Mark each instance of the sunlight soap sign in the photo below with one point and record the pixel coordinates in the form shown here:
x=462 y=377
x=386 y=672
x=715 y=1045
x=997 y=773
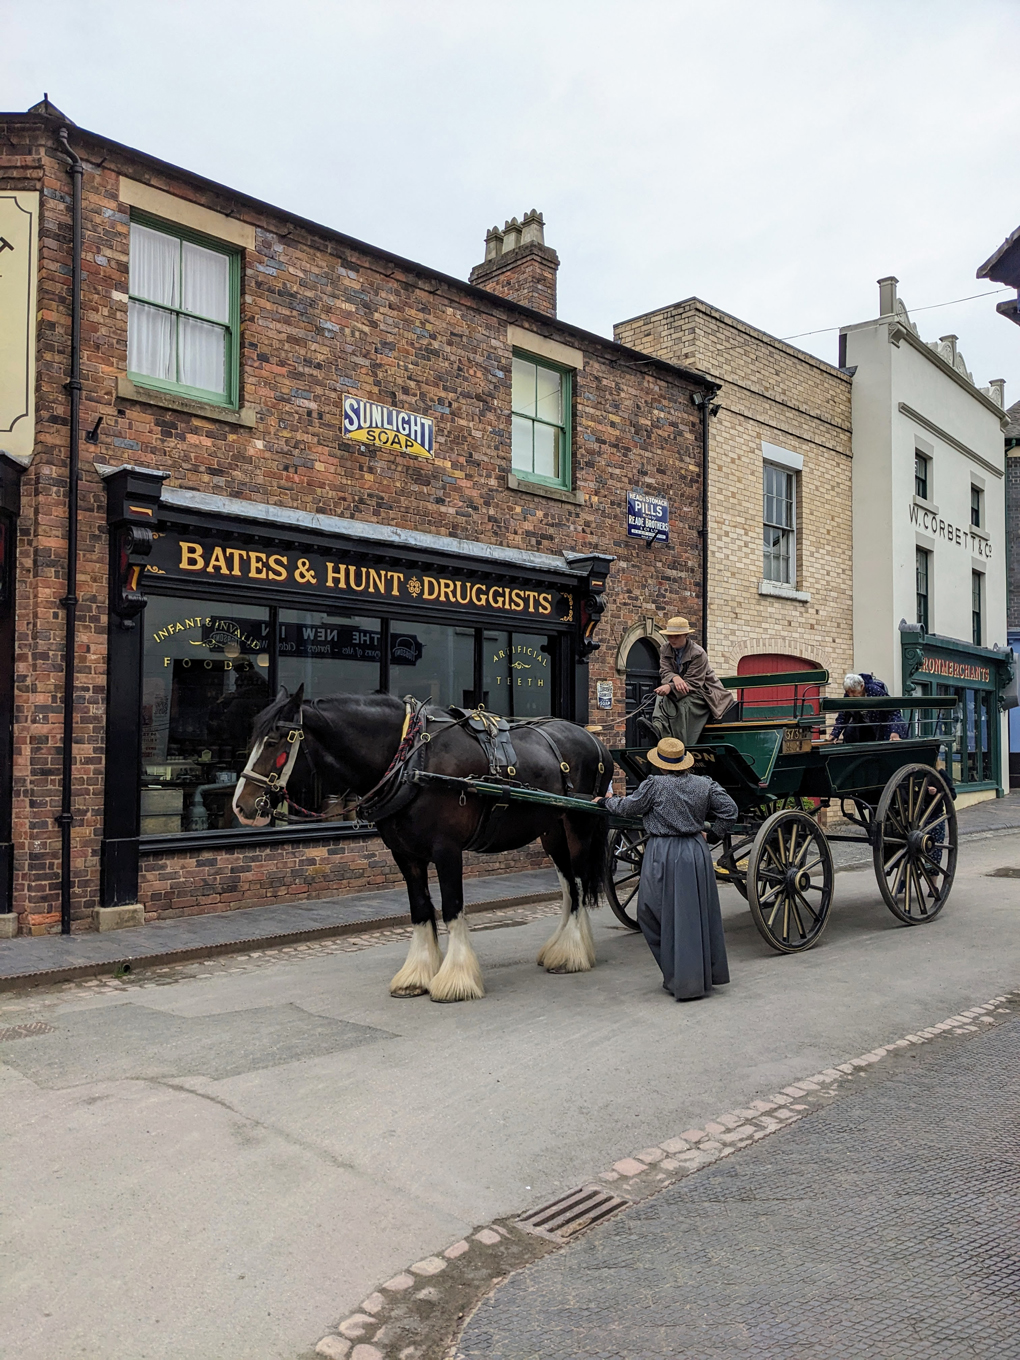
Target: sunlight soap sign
x=385 y=427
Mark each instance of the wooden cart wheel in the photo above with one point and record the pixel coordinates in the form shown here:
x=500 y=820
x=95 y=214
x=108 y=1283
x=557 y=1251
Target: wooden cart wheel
x=915 y=843
x=789 y=881
x=625 y=855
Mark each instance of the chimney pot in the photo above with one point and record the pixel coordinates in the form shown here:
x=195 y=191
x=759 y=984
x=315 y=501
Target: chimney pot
x=533 y=229
x=493 y=243
x=887 y=295
x=511 y=235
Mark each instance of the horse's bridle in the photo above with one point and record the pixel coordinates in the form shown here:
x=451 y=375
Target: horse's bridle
x=276 y=780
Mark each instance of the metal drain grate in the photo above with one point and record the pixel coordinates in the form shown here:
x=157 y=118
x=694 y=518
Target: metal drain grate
x=26 y=1031
x=571 y=1214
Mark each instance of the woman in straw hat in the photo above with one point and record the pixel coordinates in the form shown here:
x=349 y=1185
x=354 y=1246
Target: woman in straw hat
x=678 y=901
x=690 y=693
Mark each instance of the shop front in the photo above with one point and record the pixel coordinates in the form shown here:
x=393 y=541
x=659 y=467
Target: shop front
x=215 y=604
x=978 y=678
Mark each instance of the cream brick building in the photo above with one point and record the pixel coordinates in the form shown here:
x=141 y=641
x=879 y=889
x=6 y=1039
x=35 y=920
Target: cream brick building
x=783 y=418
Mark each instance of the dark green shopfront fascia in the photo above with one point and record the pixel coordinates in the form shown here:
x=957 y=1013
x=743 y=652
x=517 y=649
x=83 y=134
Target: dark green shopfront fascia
x=981 y=679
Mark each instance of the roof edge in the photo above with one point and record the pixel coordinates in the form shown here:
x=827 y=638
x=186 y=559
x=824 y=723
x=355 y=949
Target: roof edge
x=379 y=252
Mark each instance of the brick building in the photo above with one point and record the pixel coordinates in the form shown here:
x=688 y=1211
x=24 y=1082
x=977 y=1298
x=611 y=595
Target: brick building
x=303 y=460
x=779 y=476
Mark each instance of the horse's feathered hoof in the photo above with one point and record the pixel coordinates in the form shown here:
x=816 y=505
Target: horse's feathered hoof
x=423 y=962
x=571 y=949
x=455 y=989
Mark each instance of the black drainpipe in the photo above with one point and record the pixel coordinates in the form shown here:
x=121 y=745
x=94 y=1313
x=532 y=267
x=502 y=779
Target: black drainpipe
x=704 y=405
x=70 y=600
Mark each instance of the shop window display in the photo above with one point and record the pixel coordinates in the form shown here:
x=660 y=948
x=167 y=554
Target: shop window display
x=433 y=662
x=206 y=676
x=516 y=674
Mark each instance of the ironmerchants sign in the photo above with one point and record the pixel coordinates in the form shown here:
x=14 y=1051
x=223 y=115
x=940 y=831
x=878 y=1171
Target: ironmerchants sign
x=385 y=427
x=199 y=559
x=954 y=670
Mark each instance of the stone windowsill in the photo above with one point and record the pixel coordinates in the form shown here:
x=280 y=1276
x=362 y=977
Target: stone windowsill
x=552 y=493
x=930 y=506
x=784 y=592
x=149 y=396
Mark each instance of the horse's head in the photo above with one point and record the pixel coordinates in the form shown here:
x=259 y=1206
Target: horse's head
x=277 y=734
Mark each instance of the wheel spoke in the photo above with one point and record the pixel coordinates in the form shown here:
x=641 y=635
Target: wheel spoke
x=796 y=915
x=891 y=863
x=936 y=803
x=928 y=879
x=626 y=901
x=813 y=865
x=772 y=917
x=807 y=906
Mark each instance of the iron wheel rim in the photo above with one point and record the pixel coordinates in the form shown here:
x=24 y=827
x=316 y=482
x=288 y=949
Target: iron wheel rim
x=915 y=847
x=790 y=881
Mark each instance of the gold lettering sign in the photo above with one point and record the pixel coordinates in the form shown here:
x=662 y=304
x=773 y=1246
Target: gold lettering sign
x=19 y=229
x=206 y=559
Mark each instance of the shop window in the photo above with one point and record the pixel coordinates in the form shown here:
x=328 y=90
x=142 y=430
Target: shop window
x=922 y=478
x=780 y=525
x=433 y=662
x=183 y=313
x=329 y=653
x=922 y=571
x=206 y=676
x=976 y=506
x=517 y=674
x=977 y=583
x=541 y=421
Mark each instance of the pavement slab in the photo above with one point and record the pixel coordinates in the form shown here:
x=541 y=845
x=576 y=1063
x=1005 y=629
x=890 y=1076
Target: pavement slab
x=883 y=1225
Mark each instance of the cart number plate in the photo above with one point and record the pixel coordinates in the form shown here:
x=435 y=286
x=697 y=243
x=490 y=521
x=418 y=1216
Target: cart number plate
x=796 y=741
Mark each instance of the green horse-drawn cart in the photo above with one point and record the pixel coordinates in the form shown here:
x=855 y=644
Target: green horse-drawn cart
x=777 y=766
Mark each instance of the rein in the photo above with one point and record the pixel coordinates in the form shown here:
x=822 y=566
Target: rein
x=414 y=734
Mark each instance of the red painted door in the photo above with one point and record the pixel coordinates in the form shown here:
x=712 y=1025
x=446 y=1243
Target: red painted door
x=775 y=700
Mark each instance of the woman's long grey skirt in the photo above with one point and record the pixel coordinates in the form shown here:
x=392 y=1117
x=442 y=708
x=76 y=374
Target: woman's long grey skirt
x=679 y=916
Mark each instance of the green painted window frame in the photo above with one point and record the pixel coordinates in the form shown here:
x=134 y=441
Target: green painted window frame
x=566 y=480
x=232 y=364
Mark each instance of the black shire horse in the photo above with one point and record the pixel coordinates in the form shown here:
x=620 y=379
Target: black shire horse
x=350 y=740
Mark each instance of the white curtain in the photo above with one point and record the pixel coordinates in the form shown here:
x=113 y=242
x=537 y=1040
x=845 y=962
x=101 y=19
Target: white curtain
x=178 y=274
x=202 y=357
x=206 y=283
x=154 y=273
x=151 y=342
x=155 y=266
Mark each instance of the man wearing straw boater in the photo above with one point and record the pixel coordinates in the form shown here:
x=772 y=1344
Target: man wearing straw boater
x=678 y=901
x=690 y=692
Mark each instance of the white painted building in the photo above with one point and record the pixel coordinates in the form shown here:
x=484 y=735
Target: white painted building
x=930 y=530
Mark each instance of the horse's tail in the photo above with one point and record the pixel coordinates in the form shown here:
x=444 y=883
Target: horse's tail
x=594 y=865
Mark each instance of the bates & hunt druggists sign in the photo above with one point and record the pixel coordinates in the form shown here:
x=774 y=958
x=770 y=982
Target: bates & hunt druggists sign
x=200 y=559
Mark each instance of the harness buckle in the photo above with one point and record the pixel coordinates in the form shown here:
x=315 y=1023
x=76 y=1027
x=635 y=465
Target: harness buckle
x=296 y=734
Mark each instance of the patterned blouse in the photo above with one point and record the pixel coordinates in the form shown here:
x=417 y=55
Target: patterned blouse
x=677 y=805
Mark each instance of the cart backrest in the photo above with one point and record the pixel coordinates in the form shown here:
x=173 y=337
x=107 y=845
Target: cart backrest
x=785 y=694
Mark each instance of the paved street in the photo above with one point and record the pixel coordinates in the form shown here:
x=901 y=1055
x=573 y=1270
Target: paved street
x=881 y=1226
x=220 y=1161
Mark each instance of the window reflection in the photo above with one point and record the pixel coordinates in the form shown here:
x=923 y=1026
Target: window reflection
x=433 y=662
x=206 y=676
x=329 y=653
x=516 y=674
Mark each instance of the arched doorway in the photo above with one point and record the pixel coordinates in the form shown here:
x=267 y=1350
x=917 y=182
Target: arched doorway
x=777 y=701
x=642 y=678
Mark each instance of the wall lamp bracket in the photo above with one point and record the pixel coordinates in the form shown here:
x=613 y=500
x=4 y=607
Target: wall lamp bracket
x=93 y=435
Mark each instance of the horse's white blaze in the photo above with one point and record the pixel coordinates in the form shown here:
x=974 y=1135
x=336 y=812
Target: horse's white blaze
x=423 y=962
x=460 y=977
x=564 y=918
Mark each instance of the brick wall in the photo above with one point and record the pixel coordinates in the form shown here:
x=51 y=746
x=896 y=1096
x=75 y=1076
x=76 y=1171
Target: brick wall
x=322 y=317
x=775 y=393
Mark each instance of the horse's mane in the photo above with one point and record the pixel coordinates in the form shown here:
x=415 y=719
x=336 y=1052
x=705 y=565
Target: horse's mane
x=266 y=720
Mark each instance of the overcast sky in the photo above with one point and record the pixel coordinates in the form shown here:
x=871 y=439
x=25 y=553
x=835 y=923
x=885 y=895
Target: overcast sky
x=774 y=157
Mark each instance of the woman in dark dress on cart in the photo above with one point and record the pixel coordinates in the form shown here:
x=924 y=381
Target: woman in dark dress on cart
x=678 y=901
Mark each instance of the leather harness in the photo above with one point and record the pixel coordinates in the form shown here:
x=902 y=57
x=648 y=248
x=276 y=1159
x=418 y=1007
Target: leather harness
x=395 y=790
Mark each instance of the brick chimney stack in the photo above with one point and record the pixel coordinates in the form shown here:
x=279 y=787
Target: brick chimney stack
x=518 y=264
